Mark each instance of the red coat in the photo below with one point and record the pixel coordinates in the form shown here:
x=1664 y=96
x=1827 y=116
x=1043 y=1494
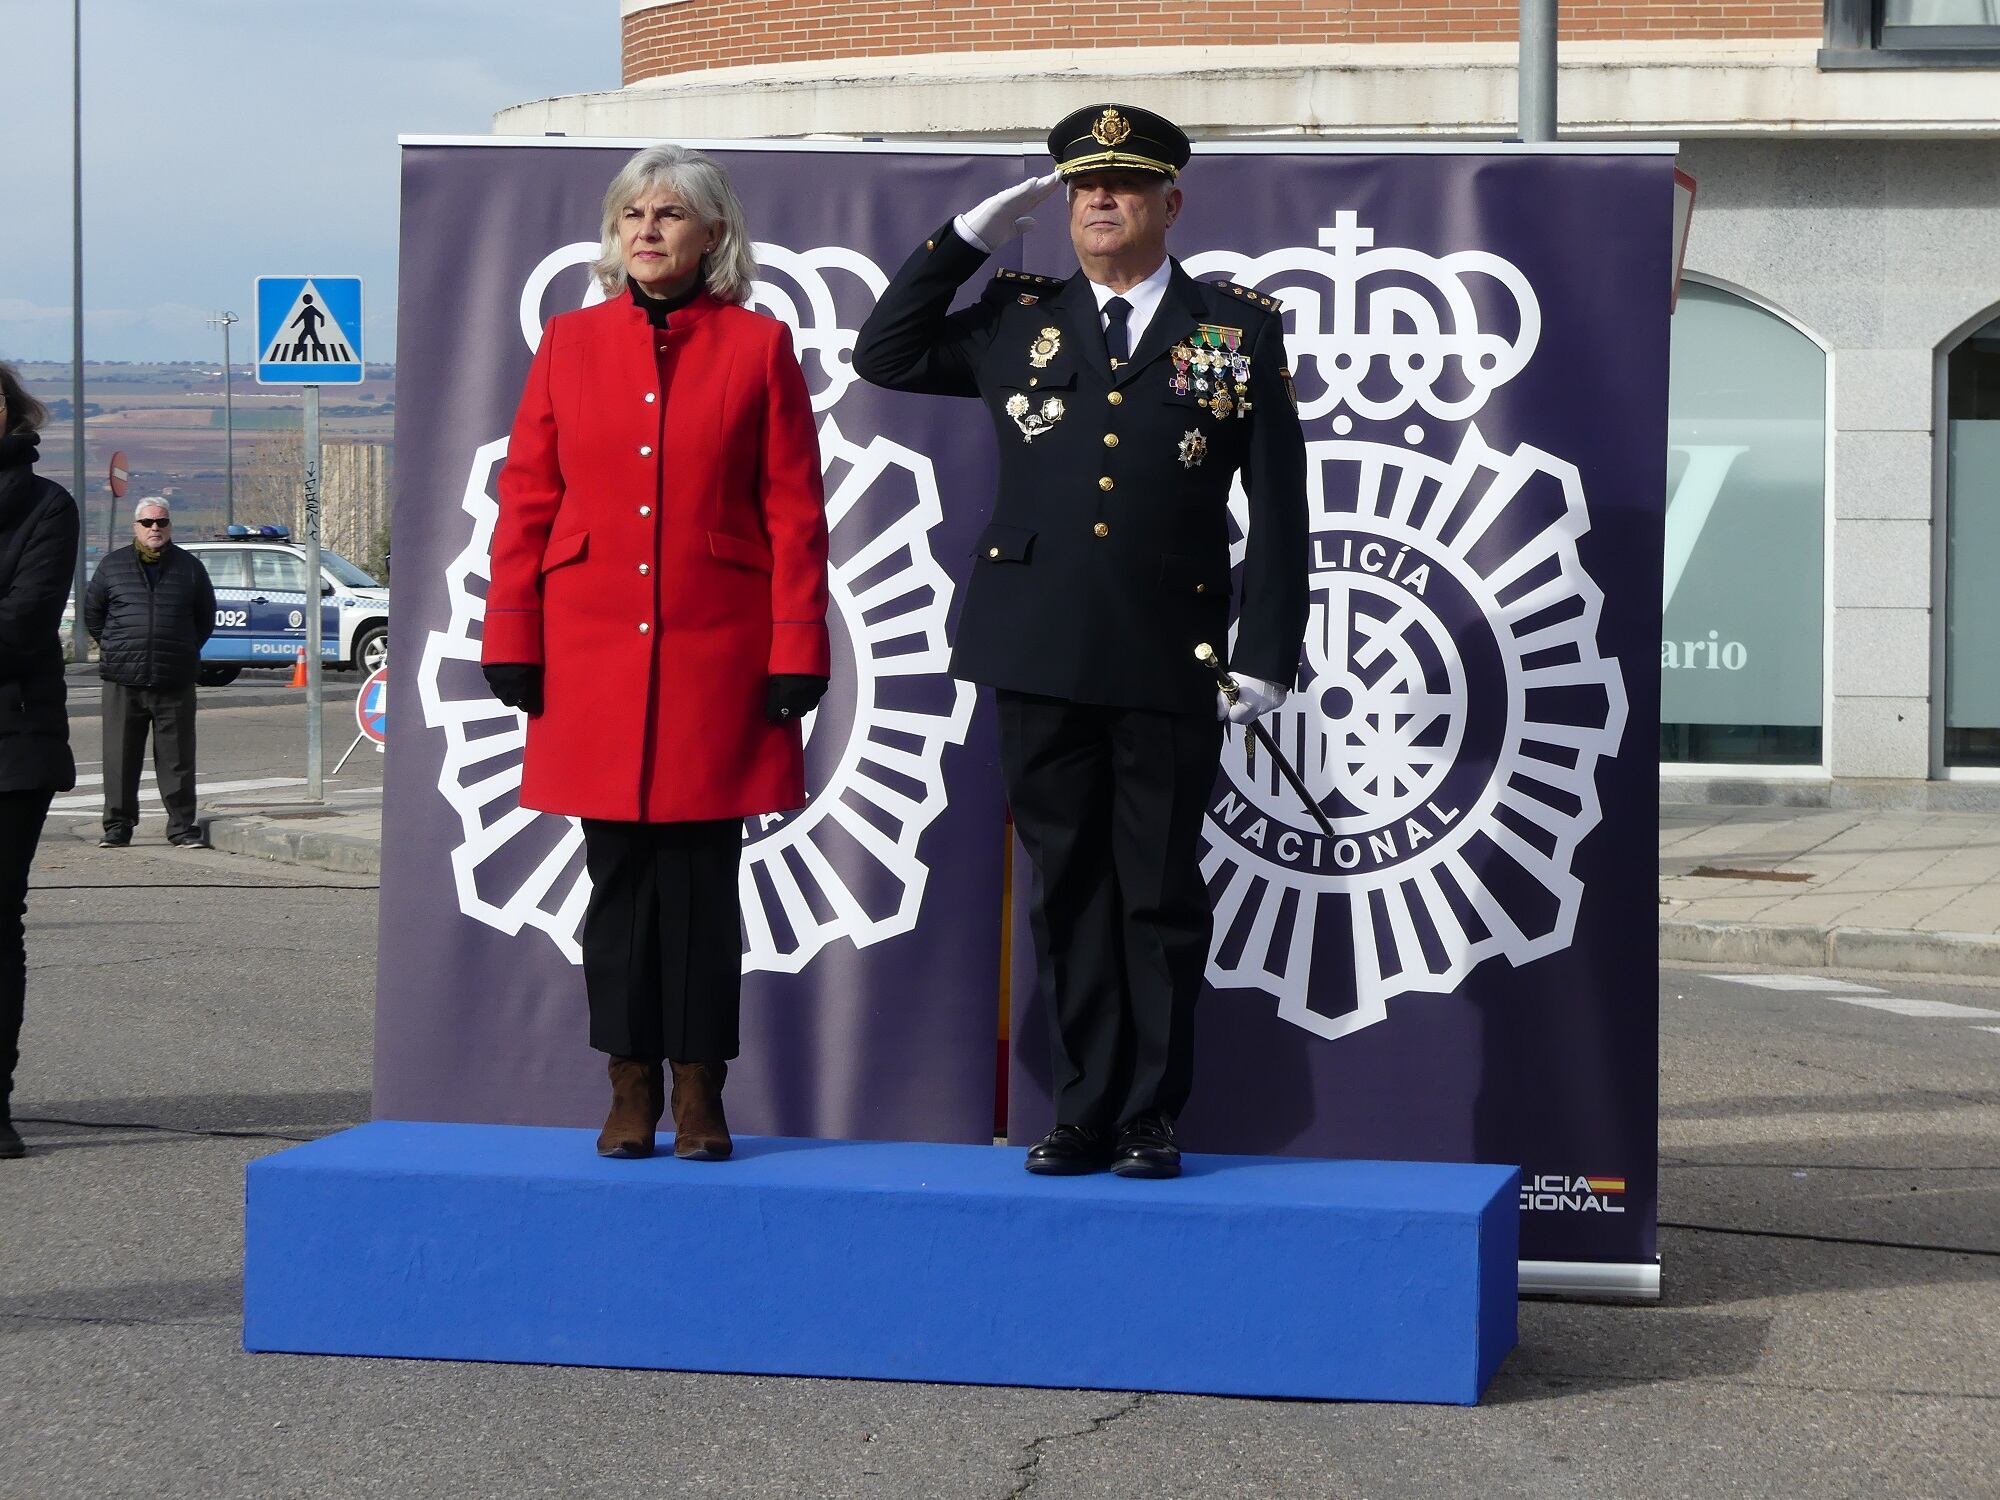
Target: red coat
x=661 y=551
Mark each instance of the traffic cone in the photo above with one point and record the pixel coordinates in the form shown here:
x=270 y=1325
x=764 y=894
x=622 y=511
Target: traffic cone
x=299 y=670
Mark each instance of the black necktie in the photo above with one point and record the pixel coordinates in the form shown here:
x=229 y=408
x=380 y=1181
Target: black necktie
x=1116 y=311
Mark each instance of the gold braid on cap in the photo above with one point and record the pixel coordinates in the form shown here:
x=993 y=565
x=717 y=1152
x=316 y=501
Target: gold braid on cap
x=1111 y=161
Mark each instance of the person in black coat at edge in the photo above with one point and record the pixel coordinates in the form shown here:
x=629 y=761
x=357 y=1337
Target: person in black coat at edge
x=1125 y=399
x=150 y=608
x=38 y=533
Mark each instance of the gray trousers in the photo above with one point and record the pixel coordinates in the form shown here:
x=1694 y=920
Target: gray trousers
x=129 y=713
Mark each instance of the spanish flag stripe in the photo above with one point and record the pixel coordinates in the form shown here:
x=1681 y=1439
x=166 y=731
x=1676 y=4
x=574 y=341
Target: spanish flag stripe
x=1606 y=1184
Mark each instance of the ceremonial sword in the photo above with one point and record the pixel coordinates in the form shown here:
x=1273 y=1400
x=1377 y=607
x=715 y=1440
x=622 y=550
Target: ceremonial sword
x=1205 y=654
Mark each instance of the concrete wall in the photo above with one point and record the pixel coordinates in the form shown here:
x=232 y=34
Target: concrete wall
x=1883 y=251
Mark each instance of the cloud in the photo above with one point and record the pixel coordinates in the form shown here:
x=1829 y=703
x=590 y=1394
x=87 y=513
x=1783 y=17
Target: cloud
x=227 y=139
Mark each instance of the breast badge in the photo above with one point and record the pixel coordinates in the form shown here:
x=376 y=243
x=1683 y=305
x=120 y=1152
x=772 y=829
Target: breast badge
x=1211 y=365
x=1194 y=448
x=1045 y=348
x=1034 y=423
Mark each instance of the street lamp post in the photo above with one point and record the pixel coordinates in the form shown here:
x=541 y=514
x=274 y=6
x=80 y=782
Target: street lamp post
x=79 y=637
x=222 y=320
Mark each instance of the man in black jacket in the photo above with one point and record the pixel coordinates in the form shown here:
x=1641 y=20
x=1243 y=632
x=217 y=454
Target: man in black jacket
x=1126 y=399
x=149 y=608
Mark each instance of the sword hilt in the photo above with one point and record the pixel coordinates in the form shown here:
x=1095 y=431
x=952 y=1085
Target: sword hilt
x=1205 y=654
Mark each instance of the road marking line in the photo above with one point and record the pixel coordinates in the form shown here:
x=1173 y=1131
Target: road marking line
x=1897 y=1006
x=1994 y=1029
x=91 y=804
x=1799 y=983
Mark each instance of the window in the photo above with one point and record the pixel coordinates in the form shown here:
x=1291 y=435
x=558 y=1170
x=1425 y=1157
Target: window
x=1911 y=34
x=1972 y=550
x=278 y=571
x=225 y=568
x=1742 y=646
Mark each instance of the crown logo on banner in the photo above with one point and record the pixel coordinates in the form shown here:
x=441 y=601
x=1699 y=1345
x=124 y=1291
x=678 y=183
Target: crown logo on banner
x=515 y=868
x=1453 y=705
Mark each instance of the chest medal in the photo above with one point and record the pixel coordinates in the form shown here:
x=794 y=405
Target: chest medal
x=1031 y=422
x=1045 y=348
x=1210 y=364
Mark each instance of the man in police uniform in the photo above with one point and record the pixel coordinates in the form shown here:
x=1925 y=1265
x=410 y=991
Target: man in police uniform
x=1126 y=399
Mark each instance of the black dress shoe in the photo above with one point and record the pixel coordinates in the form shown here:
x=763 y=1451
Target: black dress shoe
x=1070 y=1150
x=11 y=1144
x=1146 y=1147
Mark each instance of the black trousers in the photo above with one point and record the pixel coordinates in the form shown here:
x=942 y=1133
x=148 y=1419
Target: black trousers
x=21 y=817
x=663 y=939
x=129 y=713
x=1108 y=803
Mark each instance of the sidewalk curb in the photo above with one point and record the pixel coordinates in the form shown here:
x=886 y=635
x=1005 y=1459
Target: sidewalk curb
x=284 y=842
x=1799 y=945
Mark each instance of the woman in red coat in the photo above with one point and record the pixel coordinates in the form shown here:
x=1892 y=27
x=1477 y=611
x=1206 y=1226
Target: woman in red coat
x=658 y=610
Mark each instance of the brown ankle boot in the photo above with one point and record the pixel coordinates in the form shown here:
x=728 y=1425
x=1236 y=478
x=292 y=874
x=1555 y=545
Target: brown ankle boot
x=637 y=1102
x=701 y=1133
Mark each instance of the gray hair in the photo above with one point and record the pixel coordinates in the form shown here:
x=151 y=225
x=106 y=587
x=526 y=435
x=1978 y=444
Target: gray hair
x=701 y=184
x=146 y=500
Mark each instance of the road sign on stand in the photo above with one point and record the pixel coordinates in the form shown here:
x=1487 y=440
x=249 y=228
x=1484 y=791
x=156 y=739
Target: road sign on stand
x=371 y=714
x=309 y=330
x=371 y=709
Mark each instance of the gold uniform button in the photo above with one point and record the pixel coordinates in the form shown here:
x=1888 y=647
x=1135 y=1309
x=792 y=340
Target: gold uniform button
x=1111 y=440
x=930 y=244
x=1107 y=483
x=1116 y=398
x=1102 y=528
x=992 y=551
x=1201 y=588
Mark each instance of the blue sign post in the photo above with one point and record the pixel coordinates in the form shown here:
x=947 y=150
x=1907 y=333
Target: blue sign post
x=309 y=334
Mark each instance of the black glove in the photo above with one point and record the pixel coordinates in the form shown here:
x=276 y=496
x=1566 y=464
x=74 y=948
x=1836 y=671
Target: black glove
x=790 y=696
x=516 y=684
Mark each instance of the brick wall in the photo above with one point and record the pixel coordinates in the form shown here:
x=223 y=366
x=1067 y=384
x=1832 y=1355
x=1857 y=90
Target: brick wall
x=713 y=34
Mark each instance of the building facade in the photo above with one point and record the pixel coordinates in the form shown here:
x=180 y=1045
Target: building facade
x=1831 y=628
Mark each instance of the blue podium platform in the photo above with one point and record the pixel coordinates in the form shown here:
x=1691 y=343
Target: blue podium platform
x=1250 y=1276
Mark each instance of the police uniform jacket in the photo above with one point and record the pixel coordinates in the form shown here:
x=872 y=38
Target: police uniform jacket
x=661 y=551
x=1108 y=555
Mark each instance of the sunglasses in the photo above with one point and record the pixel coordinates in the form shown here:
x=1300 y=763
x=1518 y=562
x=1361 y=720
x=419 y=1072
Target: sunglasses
x=149 y=521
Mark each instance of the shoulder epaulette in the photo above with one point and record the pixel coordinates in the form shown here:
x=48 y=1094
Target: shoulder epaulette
x=1028 y=278
x=1257 y=299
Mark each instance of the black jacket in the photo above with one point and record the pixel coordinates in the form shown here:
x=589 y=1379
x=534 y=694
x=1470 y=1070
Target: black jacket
x=38 y=529
x=1108 y=556
x=150 y=634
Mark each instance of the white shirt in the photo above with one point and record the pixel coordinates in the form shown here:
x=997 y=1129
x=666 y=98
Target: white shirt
x=1145 y=300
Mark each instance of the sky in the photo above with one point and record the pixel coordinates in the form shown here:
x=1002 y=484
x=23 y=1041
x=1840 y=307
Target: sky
x=227 y=139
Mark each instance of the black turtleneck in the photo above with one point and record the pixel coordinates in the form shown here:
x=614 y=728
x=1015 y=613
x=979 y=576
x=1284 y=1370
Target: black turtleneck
x=19 y=449
x=657 y=308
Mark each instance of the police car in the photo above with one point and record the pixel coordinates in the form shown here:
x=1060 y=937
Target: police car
x=259 y=575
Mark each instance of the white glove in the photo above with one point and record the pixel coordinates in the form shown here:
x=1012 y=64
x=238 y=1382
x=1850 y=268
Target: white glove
x=1004 y=215
x=1254 y=698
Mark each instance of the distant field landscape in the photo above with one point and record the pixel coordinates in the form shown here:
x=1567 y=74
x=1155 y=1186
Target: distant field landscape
x=168 y=420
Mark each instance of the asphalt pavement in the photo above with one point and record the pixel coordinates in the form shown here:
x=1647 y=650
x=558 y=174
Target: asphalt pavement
x=1830 y=1149
x=1829 y=1326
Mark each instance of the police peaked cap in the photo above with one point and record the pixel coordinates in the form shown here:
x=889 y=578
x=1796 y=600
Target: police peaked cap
x=1118 y=138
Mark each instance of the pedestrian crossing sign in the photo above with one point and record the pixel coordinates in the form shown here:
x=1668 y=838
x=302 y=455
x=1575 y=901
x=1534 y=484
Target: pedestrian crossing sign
x=309 y=330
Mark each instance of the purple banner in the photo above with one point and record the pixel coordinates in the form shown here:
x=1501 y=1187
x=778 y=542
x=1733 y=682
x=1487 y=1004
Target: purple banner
x=871 y=917
x=1467 y=972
